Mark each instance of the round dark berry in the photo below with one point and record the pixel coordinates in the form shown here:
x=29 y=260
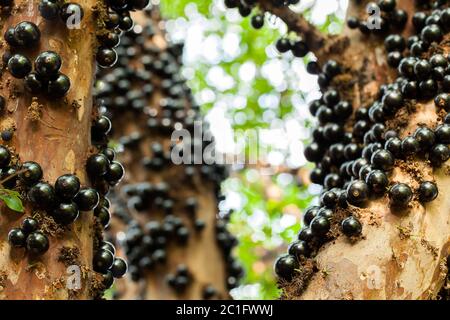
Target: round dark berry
x=382 y=159
x=109 y=153
x=103 y=216
x=17 y=237
x=48 y=9
x=108 y=279
x=109 y=39
x=87 y=199
x=320 y=225
x=59 y=87
x=394 y=145
x=67 y=186
x=66 y=213
x=103 y=260
x=37 y=243
x=377 y=181
x=115 y=173
x=106 y=57
x=42 y=195
x=351 y=226
x=310 y=214
x=283 y=45
x=32 y=172
x=27 y=33
x=425 y=137
x=119 y=268
x=428 y=191
x=442 y=100
x=29 y=225
x=439 y=154
x=106 y=245
x=400 y=195
x=431 y=33
x=357 y=193
x=126 y=23
x=33 y=83
x=97 y=165
x=298 y=249
x=257 y=21
x=299 y=49
x=19 y=66
x=394 y=42
x=410 y=146
x=5 y=157
x=47 y=64
x=422 y=69
x=285 y=266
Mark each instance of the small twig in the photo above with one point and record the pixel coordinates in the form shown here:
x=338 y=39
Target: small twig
x=12 y=176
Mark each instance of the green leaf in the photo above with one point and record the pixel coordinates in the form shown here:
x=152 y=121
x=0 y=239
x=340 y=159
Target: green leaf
x=11 y=199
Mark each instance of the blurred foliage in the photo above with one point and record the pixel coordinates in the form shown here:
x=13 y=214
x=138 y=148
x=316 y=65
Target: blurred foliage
x=267 y=208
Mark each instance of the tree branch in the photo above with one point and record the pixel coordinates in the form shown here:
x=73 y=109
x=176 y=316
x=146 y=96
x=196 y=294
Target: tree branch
x=311 y=35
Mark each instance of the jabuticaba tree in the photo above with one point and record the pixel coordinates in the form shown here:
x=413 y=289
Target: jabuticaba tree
x=54 y=180
x=382 y=226
x=176 y=244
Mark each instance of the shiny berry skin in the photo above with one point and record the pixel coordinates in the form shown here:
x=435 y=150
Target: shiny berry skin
x=47 y=64
x=108 y=279
x=37 y=243
x=115 y=172
x=110 y=39
x=428 y=191
x=442 y=100
x=431 y=33
x=42 y=195
x=69 y=10
x=67 y=186
x=394 y=145
x=442 y=133
x=126 y=23
x=106 y=57
x=329 y=199
x=103 y=215
x=377 y=181
x=66 y=213
x=19 y=66
x=49 y=10
x=439 y=154
x=109 y=153
x=298 y=249
x=17 y=238
x=299 y=49
x=102 y=261
x=422 y=69
x=29 y=225
x=10 y=37
x=382 y=159
x=97 y=165
x=425 y=137
x=112 y=21
x=257 y=21
x=283 y=45
x=394 y=42
x=32 y=174
x=410 y=146
x=305 y=234
x=58 y=87
x=357 y=193
x=87 y=199
x=400 y=195
x=33 y=83
x=351 y=226
x=119 y=268
x=320 y=226
x=285 y=266
x=310 y=214
x=106 y=245
x=27 y=33
x=5 y=157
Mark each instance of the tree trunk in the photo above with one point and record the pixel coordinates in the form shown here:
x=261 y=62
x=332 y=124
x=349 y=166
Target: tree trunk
x=201 y=254
x=401 y=254
x=56 y=134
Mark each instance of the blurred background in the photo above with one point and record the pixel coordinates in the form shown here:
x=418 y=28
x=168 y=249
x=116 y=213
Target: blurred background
x=245 y=87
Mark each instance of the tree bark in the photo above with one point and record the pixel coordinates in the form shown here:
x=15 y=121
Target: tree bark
x=400 y=255
x=56 y=134
x=201 y=254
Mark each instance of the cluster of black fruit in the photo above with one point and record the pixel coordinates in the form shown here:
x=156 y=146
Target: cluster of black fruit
x=127 y=89
x=117 y=20
x=383 y=17
x=106 y=263
x=47 y=78
x=354 y=166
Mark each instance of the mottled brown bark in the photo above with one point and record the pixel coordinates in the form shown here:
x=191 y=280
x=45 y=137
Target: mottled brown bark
x=401 y=255
x=59 y=141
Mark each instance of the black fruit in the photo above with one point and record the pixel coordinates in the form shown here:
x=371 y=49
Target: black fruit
x=428 y=191
x=119 y=268
x=37 y=243
x=42 y=195
x=357 y=193
x=97 y=165
x=47 y=64
x=103 y=260
x=400 y=195
x=27 y=34
x=106 y=57
x=29 y=225
x=87 y=199
x=320 y=226
x=285 y=266
x=19 y=66
x=49 y=10
x=5 y=157
x=17 y=237
x=66 y=213
x=351 y=226
x=32 y=173
x=298 y=249
x=58 y=87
